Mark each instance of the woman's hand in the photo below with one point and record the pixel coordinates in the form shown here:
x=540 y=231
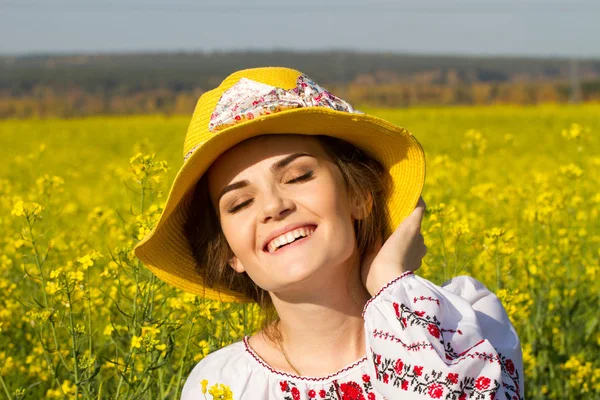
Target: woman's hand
x=402 y=252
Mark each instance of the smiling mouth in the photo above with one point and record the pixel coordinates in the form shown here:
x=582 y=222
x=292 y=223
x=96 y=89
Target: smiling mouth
x=289 y=238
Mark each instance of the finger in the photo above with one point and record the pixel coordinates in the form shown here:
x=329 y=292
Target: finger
x=420 y=208
x=416 y=216
x=421 y=202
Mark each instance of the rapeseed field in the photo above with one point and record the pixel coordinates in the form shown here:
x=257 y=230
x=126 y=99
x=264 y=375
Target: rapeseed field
x=513 y=196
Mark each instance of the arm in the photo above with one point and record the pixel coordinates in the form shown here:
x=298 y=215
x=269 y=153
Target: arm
x=451 y=342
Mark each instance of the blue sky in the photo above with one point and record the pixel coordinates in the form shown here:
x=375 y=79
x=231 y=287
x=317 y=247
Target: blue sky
x=567 y=28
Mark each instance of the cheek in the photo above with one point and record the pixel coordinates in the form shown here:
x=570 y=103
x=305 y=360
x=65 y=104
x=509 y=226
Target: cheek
x=238 y=235
x=335 y=206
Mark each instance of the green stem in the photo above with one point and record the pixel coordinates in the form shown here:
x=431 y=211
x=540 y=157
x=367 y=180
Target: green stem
x=498 y=282
x=8 y=396
x=180 y=372
x=48 y=360
x=46 y=303
x=444 y=251
x=89 y=316
x=456 y=252
x=73 y=345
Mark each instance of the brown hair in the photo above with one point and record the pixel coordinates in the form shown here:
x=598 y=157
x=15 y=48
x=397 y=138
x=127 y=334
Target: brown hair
x=365 y=178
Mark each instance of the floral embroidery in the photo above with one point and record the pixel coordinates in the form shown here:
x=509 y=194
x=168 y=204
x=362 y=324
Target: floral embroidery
x=432 y=383
x=349 y=390
x=407 y=317
x=433 y=325
x=437 y=386
x=291 y=390
x=248 y=99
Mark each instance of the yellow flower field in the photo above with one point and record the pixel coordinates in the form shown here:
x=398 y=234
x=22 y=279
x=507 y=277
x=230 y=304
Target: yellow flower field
x=513 y=196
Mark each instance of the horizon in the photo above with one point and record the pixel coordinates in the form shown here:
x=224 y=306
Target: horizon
x=75 y=53
x=461 y=28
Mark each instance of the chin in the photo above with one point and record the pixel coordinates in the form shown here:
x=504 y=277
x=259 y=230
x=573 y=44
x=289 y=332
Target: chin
x=306 y=274
x=296 y=272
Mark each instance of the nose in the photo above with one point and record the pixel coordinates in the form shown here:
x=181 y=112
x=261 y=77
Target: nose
x=275 y=205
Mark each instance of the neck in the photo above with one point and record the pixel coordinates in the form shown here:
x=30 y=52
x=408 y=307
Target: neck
x=325 y=322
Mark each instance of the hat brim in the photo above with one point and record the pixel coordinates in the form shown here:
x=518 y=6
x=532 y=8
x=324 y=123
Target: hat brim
x=165 y=251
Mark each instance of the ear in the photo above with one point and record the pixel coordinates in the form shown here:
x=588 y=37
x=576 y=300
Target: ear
x=361 y=207
x=236 y=265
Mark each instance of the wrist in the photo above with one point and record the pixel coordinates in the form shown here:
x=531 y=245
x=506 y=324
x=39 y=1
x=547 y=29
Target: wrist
x=375 y=282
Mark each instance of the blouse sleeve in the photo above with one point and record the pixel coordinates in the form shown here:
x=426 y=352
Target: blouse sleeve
x=449 y=342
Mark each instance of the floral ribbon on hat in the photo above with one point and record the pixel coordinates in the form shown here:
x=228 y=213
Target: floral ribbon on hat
x=248 y=99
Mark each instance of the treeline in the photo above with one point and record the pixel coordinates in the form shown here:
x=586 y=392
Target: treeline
x=71 y=85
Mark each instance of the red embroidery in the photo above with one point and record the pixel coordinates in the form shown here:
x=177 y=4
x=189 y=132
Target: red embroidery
x=399 y=366
x=433 y=331
x=422 y=298
x=407 y=317
x=435 y=391
x=289 y=388
x=349 y=390
x=357 y=364
x=507 y=365
x=452 y=378
x=482 y=383
x=398 y=373
x=412 y=347
x=407 y=273
x=510 y=366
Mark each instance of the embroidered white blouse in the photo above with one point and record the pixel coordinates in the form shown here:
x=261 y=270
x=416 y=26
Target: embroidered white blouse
x=422 y=341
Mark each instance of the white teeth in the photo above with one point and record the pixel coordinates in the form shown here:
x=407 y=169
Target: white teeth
x=288 y=237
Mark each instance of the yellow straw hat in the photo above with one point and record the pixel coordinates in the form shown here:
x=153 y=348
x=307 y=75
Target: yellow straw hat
x=271 y=100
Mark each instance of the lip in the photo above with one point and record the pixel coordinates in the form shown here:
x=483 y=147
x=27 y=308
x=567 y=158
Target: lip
x=285 y=229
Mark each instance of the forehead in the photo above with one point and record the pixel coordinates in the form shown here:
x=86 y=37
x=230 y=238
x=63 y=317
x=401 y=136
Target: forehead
x=256 y=153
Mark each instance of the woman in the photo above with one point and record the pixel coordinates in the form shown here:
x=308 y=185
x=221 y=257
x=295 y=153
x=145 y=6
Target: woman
x=285 y=198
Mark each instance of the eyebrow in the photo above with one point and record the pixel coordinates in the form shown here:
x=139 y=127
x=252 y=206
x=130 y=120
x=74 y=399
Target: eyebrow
x=274 y=168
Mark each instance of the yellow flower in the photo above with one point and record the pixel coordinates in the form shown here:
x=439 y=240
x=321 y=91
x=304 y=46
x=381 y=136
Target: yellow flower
x=52 y=287
x=21 y=209
x=460 y=228
x=108 y=330
x=136 y=342
x=18 y=209
x=75 y=276
x=495 y=233
x=55 y=273
x=85 y=261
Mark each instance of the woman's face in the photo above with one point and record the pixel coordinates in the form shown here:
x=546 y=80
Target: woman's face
x=273 y=184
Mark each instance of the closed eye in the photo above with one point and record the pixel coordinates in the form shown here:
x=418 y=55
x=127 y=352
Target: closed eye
x=240 y=206
x=304 y=177
x=246 y=203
